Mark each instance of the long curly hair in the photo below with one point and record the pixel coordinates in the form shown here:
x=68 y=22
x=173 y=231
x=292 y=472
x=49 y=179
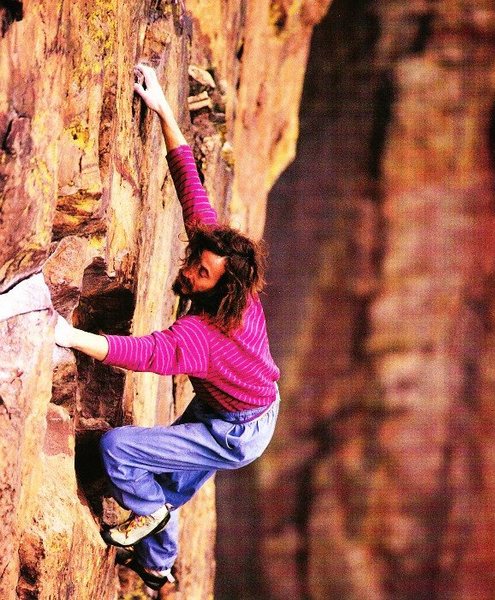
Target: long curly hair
x=244 y=276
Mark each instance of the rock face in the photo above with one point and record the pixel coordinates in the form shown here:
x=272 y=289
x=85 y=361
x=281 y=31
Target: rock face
x=379 y=485
x=87 y=200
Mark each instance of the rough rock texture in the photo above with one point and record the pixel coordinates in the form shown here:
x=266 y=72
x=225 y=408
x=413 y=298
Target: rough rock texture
x=86 y=198
x=379 y=485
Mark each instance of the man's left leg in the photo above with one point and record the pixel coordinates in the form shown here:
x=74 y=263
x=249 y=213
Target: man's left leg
x=139 y=462
x=154 y=556
x=159 y=551
x=165 y=460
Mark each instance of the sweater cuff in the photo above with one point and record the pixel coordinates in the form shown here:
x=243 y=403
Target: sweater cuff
x=112 y=355
x=179 y=151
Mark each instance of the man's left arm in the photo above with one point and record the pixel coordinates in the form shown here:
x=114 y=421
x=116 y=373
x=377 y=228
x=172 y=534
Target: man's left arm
x=92 y=344
x=181 y=349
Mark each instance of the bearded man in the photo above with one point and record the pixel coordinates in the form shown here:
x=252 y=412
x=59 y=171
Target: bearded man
x=221 y=344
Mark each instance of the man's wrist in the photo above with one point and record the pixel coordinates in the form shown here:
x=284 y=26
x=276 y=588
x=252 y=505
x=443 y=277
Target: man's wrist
x=93 y=344
x=75 y=337
x=165 y=114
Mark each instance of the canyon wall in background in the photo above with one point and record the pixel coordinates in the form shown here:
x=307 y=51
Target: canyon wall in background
x=379 y=484
x=86 y=199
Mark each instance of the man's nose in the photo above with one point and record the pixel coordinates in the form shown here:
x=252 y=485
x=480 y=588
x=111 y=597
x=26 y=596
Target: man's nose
x=188 y=275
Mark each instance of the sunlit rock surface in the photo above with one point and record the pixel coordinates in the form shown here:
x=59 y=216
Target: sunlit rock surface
x=86 y=198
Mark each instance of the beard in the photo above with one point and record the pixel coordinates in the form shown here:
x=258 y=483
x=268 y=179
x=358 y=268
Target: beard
x=182 y=286
x=200 y=302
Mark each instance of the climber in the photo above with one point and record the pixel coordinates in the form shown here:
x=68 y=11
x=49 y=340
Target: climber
x=221 y=344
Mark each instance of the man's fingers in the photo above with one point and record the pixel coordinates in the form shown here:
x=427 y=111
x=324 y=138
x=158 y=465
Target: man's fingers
x=139 y=89
x=138 y=75
x=144 y=67
x=144 y=70
x=144 y=94
x=147 y=86
x=147 y=72
x=63 y=331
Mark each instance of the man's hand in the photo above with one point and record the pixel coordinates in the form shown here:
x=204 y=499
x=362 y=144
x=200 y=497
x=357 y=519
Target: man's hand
x=149 y=88
x=64 y=333
x=154 y=98
x=70 y=337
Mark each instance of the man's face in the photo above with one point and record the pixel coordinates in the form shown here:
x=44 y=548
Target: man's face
x=202 y=276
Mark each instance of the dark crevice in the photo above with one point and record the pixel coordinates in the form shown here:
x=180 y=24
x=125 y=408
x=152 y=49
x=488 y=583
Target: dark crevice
x=384 y=99
x=105 y=306
x=423 y=34
x=91 y=477
x=10 y=11
x=240 y=51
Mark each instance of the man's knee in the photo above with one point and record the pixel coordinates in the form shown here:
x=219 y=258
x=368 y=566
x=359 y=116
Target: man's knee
x=110 y=442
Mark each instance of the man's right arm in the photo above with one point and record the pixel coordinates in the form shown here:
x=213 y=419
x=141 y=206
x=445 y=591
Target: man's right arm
x=192 y=195
x=154 y=98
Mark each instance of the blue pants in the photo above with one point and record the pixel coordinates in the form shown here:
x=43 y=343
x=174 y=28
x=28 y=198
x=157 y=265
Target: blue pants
x=150 y=466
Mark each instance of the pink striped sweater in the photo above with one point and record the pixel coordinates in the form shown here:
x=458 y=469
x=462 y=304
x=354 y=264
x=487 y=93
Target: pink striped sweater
x=231 y=373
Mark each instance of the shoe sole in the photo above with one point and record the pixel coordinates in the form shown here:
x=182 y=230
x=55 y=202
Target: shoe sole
x=123 y=556
x=154 y=583
x=107 y=536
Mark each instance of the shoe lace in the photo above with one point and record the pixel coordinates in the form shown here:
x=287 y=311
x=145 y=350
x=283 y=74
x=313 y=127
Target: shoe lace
x=133 y=522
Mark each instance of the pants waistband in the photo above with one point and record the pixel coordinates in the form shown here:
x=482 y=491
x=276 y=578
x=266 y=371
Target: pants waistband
x=246 y=416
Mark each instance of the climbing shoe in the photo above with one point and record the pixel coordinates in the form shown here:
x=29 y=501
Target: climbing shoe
x=136 y=527
x=153 y=579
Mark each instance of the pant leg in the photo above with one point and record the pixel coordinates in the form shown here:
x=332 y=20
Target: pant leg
x=179 y=487
x=159 y=551
x=135 y=457
x=164 y=464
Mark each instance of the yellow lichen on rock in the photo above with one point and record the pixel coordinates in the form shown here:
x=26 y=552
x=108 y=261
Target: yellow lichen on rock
x=87 y=198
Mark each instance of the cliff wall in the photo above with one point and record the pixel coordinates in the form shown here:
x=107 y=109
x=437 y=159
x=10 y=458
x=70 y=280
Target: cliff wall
x=380 y=482
x=86 y=199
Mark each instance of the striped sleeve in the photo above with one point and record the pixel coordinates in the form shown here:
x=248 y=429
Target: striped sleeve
x=191 y=193
x=181 y=349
